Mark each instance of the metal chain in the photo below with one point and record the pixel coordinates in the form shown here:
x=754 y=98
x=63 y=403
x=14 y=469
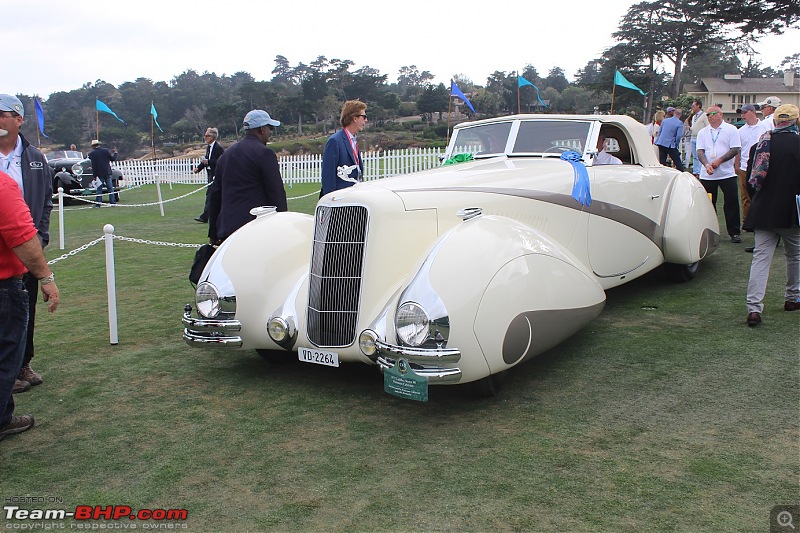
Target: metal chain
x=157 y=243
x=75 y=251
x=82 y=199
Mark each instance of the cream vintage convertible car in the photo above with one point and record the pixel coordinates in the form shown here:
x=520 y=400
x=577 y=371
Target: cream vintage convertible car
x=457 y=274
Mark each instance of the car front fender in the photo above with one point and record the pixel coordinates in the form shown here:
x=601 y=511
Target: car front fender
x=510 y=291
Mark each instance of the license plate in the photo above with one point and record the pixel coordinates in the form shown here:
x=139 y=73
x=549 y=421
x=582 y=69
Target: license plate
x=318 y=357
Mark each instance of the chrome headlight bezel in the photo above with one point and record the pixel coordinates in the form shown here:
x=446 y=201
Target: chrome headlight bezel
x=412 y=324
x=77 y=169
x=207 y=300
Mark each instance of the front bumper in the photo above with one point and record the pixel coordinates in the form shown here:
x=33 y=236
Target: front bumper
x=210 y=333
x=424 y=362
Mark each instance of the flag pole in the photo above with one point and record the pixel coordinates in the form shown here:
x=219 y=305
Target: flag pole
x=519 y=105
x=38 y=137
x=613 y=92
x=97 y=122
x=449 y=105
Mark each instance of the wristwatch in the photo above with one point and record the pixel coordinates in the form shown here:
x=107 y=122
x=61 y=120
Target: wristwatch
x=47 y=279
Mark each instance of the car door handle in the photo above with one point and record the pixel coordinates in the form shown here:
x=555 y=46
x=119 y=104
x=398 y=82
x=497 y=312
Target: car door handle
x=654 y=196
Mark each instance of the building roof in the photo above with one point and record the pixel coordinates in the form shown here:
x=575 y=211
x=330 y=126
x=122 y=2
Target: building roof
x=744 y=85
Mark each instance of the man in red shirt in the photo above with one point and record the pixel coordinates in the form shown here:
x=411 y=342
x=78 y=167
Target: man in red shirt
x=20 y=252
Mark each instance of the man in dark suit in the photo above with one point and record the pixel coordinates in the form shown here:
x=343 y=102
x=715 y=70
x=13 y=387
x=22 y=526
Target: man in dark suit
x=247 y=176
x=101 y=158
x=209 y=162
x=28 y=167
x=342 y=165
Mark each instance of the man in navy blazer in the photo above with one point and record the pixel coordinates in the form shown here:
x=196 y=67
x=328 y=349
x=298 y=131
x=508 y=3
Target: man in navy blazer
x=342 y=165
x=247 y=176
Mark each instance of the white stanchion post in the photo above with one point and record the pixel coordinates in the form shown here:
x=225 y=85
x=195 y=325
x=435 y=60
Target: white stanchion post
x=111 y=284
x=61 y=216
x=158 y=188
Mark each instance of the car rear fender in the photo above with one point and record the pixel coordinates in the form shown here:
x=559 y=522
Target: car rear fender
x=691 y=229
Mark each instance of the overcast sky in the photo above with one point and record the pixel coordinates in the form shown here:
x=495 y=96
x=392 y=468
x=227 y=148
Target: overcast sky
x=56 y=45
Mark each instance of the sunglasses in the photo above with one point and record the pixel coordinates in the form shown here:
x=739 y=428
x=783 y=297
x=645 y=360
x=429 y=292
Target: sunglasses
x=713 y=113
x=365 y=116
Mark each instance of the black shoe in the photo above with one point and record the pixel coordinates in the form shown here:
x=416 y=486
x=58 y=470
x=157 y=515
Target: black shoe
x=201 y=220
x=736 y=239
x=753 y=319
x=750 y=249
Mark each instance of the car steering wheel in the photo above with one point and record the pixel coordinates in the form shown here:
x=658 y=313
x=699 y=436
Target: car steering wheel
x=562 y=148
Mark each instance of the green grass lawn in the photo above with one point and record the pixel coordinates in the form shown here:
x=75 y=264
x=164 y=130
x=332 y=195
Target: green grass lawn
x=667 y=413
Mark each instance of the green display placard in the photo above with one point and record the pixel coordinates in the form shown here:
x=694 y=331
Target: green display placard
x=402 y=381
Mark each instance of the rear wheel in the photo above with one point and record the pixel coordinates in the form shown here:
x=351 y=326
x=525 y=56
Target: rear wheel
x=681 y=273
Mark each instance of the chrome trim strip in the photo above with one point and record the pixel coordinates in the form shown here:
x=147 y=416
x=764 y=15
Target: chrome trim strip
x=210 y=340
x=434 y=374
x=209 y=325
x=621 y=273
x=420 y=355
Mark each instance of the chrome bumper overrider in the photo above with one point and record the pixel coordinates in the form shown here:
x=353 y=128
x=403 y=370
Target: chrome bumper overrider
x=210 y=333
x=423 y=361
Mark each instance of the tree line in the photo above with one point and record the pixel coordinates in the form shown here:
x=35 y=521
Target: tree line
x=698 y=38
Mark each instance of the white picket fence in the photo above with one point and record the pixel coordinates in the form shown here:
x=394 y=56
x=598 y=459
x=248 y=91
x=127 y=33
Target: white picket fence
x=294 y=168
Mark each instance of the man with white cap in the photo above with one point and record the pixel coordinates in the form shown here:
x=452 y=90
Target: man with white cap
x=101 y=158
x=768 y=108
x=247 y=176
x=28 y=168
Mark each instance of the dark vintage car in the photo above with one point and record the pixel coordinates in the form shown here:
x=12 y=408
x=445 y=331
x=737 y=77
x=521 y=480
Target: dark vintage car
x=73 y=172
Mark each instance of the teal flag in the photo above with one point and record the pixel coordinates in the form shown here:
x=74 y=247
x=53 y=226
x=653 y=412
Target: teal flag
x=620 y=80
x=155 y=116
x=455 y=91
x=522 y=82
x=100 y=106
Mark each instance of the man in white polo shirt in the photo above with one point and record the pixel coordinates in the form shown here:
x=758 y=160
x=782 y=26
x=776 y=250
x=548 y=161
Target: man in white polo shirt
x=717 y=146
x=749 y=133
x=768 y=108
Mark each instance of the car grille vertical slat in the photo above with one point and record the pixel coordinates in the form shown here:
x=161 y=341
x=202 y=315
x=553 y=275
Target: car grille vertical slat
x=336 y=269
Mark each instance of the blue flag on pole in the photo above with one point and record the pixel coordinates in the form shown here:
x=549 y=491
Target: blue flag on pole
x=39 y=116
x=105 y=109
x=620 y=80
x=155 y=116
x=522 y=82
x=455 y=91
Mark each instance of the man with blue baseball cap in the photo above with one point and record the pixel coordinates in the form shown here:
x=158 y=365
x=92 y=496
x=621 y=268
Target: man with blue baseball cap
x=28 y=168
x=247 y=176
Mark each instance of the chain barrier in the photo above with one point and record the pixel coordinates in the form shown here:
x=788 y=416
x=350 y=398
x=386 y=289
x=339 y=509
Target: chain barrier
x=157 y=243
x=121 y=238
x=95 y=202
x=75 y=251
x=305 y=195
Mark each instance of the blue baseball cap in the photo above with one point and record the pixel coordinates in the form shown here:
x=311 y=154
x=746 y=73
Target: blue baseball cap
x=258 y=118
x=10 y=102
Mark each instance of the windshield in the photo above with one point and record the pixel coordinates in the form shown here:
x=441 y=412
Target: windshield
x=486 y=139
x=63 y=154
x=554 y=137
x=542 y=137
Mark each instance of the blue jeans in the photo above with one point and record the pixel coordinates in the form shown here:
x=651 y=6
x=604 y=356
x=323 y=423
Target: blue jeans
x=13 y=330
x=109 y=185
x=696 y=165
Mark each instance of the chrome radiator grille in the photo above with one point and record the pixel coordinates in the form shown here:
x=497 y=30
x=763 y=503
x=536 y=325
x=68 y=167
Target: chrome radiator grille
x=335 y=281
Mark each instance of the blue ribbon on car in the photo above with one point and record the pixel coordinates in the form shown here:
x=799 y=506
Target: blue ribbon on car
x=580 y=189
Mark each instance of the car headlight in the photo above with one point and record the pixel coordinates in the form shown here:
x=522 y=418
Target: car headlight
x=207 y=300
x=412 y=324
x=77 y=169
